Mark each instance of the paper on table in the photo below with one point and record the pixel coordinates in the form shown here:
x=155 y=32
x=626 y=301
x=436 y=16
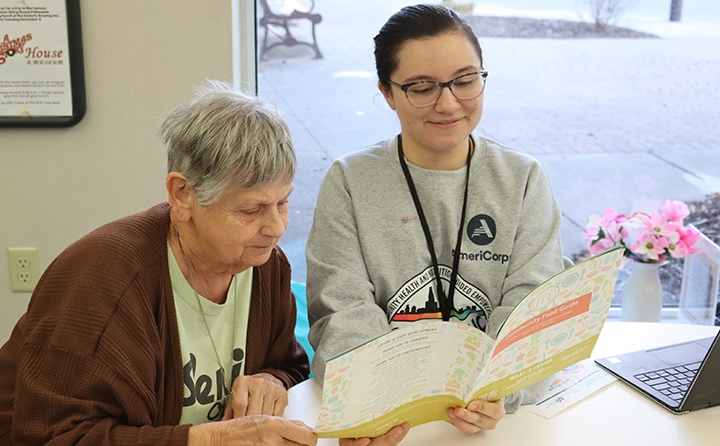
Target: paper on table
x=571 y=385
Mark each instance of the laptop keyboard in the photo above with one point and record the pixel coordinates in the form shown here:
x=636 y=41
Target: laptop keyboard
x=673 y=382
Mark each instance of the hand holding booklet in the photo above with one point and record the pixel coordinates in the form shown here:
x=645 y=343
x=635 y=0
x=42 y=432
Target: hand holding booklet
x=416 y=373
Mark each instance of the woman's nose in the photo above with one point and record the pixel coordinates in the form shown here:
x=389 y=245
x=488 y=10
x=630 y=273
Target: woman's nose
x=447 y=101
x=275 y=224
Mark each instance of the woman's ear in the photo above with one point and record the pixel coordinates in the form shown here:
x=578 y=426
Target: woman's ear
x=388 y=95
x=181 y=195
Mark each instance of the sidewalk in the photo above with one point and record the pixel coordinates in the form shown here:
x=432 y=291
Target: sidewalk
x=615 y=122
x=700 y=18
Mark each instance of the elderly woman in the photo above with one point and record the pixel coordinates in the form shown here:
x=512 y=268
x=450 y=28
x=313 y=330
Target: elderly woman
x=151 y=326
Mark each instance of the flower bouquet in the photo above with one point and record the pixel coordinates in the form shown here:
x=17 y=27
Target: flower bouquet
x=652 y=238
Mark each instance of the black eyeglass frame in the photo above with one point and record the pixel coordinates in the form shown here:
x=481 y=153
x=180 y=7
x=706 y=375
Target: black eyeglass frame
x=405 y=87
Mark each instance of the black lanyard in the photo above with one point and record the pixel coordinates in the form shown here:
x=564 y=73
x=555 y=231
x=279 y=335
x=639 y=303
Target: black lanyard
x=446 y=303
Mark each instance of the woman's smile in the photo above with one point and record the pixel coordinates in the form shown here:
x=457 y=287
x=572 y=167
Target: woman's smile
x=447 y=123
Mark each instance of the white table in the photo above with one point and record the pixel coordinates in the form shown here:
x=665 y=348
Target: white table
x=616 y=415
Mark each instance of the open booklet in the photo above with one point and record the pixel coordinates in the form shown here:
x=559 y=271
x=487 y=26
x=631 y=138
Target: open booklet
x=416 y=373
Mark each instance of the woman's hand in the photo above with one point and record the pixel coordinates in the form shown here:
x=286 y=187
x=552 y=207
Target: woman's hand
x=252 y=430
x=391 y=438
x=259 y=394
x=478 y=416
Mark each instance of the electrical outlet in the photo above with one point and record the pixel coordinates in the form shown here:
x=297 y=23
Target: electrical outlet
x=24 y=269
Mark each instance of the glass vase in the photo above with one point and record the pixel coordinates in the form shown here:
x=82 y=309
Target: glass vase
x=643 y=294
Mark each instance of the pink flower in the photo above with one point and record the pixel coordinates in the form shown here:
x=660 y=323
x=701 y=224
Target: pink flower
x=651 y=238
x=650 y=245
x=676 y=248
x=611 y=215
x=656 y=223
x=600 y=246
x=596 y=222
x=633 y=227
x=605 y=236
x=616 y=231
x=688 y=237
x=674 y=210
x=590 y=235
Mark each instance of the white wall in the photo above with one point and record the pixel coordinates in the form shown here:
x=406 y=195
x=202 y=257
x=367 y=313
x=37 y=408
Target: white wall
x=142 y=58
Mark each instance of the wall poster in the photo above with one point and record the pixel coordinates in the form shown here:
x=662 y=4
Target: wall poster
x=42 y=82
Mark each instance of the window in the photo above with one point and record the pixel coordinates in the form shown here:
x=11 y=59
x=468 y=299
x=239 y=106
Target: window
x=614 y=121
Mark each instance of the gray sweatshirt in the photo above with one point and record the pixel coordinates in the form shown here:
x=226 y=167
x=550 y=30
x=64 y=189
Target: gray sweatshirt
x=369 y=268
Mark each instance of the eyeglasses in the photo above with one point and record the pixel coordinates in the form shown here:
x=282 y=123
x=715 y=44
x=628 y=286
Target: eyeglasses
x=425 y=93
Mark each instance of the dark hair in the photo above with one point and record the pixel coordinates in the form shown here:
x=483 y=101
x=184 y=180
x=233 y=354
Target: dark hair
x=415 y=22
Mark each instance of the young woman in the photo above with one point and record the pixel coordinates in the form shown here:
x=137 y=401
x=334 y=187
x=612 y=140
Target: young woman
x=434 y=222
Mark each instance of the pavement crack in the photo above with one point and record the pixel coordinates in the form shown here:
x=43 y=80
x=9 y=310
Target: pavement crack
x=675 y=165
x=568 y=218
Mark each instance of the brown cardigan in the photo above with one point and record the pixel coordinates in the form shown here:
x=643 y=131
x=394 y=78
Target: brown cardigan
x=96 y=358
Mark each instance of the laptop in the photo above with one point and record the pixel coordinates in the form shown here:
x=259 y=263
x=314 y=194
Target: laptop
x=680 y=377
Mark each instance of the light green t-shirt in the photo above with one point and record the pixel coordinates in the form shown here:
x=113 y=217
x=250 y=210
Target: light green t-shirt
x=205 y=397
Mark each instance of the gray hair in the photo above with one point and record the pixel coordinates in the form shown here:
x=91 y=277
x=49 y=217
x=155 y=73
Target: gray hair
x=224 y=139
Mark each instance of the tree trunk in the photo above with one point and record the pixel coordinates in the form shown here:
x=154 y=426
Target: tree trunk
x=675 y=10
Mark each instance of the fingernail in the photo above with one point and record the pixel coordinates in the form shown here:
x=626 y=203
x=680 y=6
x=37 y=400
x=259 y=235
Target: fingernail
x=451 y=414
x=473 y=407
x=461 y=413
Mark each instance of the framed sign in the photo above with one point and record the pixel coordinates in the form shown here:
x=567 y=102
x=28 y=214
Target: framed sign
x=699 y=292
x=42 y=80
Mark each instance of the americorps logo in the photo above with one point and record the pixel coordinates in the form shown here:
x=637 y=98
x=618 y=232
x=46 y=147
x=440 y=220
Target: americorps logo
x=481 y=229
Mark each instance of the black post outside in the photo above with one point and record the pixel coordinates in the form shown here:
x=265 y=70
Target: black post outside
x=675 y=10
